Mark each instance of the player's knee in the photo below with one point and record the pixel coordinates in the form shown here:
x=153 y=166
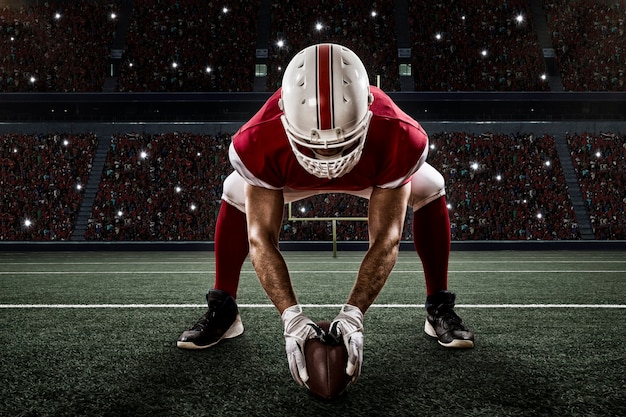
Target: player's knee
x=427 y=185
x=234 y=191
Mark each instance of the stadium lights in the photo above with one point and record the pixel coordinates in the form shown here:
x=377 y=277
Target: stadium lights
x=449 y=206
x=113 y=16
x=438 y=36
x=374 y=14
x=32 y=80
x=120 y=213
x=499 y=177
x=432 y=146
x=79 y=187
x=66 y=142
x=519 y=18
x=598 y=154
x=483 y=52
x=547 y=163
x=539 y=215
x=319 y=26
x=174 y=65
x=57 y=16
x=208 y=70
x=192 y=207
x=543 y=77
x=178 y=189
x=27 y=223
x=225 y=10
x=474 y=165
x=143 y=154
x=280 y=43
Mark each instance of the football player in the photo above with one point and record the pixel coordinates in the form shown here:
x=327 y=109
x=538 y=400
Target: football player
x=328 y=131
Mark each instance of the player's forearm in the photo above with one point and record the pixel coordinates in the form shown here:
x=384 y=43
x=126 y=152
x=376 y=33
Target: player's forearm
x=373 y=273
x=272 y=272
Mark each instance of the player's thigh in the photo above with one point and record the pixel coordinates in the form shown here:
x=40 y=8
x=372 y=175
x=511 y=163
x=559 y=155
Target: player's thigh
x=427 y=184
x=234 y=192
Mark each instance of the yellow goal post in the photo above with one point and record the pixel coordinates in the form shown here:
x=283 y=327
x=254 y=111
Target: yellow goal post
x=333 y=220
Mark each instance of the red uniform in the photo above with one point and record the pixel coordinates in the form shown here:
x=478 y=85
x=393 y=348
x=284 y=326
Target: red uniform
x=395 y=144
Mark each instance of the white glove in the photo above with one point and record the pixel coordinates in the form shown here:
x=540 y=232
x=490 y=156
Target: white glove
x=349 y=326
x=298 y=328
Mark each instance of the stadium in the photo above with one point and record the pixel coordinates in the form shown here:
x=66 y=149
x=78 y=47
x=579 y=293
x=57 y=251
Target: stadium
x=116 y=117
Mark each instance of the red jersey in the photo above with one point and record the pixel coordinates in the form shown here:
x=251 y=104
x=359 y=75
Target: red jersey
x=262 y=155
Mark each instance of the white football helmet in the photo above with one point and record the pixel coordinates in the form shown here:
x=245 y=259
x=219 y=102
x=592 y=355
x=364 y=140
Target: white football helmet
x=325 y=102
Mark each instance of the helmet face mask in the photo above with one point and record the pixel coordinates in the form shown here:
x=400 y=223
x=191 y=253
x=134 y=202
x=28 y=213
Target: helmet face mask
x=325 y=101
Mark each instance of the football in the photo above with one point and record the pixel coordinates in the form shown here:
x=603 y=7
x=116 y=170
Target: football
x=326 y=361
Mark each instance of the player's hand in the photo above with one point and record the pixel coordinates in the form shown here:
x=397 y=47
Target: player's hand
x=298 y=328
x=348 y=326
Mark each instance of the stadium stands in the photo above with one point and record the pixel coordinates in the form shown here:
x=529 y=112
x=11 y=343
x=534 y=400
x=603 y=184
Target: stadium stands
x=600 y=162
x=588 y=37
x=194 y=45
x=499 y=185
x=41 y=184
x=55 y=46
x=167 y=187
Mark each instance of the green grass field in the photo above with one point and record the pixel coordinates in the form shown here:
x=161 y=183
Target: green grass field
x=93 y=334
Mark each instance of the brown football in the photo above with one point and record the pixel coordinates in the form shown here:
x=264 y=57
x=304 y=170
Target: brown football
x=326 y=364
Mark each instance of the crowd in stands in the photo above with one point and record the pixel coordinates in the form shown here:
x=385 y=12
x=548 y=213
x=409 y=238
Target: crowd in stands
x=588 y=37
x=167 y=187
x=366 y=28
x=197 y=45
x=504 y=187
x=600 y=163
x=41 y=184
x=475 y=46
x=160 y=187
x=190 y=45
x=56 y=46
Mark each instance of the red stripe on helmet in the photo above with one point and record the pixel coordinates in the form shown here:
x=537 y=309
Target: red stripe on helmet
x=324 y=87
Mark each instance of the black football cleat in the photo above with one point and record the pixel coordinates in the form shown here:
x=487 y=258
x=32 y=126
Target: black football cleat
x=221 y=321
x=444 y=324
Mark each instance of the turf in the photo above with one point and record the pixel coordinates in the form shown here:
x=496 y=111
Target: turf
x=108 y=358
